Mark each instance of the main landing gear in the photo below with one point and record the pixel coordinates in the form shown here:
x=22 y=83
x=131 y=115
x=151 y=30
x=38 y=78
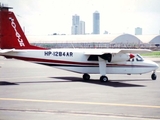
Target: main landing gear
x=102 y=70
x=154 y=76
x=86 y=77
x=104 y=79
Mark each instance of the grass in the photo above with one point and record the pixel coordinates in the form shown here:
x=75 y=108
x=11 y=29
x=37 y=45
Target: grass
x=152 y=54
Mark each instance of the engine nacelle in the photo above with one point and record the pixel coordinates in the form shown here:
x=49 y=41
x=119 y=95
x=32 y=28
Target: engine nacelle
x=107 y=57
x=121 y=57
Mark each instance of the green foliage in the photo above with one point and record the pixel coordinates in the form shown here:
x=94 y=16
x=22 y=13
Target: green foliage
x=152 y=54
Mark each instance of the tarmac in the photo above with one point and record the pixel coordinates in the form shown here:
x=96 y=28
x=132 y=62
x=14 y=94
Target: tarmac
x=155 y=59
x=34 y=92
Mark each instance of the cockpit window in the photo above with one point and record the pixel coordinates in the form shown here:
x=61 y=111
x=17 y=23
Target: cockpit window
x=139 y=58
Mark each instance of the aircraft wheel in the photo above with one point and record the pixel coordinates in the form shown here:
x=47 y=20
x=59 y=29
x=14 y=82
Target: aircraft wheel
x=104 y=79
x=153 y=76
x=86 y=77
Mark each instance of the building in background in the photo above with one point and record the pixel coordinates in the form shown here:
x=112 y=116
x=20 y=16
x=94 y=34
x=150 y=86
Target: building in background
x=82 y=27
x=78 y=27
x=138 y=31
x=75 y=24
x=96 y=22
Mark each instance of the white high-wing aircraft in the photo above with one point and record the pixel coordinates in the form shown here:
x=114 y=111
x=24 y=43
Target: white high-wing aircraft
x=14 y=44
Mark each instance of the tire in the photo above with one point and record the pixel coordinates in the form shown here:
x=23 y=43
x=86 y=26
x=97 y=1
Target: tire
x=154 y=76
x=104 y=79
x=86 y=77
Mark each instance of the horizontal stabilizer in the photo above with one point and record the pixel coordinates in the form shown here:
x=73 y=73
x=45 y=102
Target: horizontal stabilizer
x=6 y=50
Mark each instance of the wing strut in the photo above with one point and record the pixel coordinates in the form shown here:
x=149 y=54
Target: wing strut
x=102 y=69
x=102 y=66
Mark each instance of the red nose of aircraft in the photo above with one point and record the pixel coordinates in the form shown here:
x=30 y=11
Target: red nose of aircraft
x=131 y=56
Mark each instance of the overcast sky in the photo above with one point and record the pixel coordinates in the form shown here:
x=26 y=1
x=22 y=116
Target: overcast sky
x=43 y=17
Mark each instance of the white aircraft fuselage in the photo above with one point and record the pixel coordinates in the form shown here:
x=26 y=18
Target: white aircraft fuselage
x=76 y=61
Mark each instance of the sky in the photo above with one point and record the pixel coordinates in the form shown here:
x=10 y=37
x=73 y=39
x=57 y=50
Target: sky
x=44 y=17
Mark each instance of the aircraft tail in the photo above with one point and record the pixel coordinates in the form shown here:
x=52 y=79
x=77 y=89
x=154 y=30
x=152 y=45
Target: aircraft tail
x=11 y=34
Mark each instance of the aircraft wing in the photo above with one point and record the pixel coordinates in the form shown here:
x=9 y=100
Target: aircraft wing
x=112 y=51
x=101 y=51
x=135 y=51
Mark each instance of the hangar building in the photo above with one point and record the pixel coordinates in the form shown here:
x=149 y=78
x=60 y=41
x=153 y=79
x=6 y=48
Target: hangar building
x=100 y=41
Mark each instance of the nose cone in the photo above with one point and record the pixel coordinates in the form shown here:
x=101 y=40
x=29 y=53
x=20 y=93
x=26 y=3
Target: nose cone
x=156 y=65
x=152 y=66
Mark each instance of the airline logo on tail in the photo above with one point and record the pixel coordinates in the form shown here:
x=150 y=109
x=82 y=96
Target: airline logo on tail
x=20 y=40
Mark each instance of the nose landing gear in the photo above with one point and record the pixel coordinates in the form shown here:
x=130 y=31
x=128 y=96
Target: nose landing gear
x=153 y=76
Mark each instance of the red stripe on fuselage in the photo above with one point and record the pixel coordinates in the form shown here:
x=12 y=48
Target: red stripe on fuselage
x=50 y=61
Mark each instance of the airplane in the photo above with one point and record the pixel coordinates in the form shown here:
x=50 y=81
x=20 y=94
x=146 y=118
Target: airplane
x=14 y=44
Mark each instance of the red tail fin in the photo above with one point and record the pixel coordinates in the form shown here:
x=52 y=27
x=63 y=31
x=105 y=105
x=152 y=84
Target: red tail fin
x=11 y=34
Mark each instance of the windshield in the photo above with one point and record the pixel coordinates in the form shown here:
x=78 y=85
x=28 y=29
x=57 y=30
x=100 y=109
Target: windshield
x=139 y=58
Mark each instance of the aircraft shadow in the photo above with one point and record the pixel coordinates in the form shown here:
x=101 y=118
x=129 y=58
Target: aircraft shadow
x=112 y=83
x=7 y=83
x=3 y=83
